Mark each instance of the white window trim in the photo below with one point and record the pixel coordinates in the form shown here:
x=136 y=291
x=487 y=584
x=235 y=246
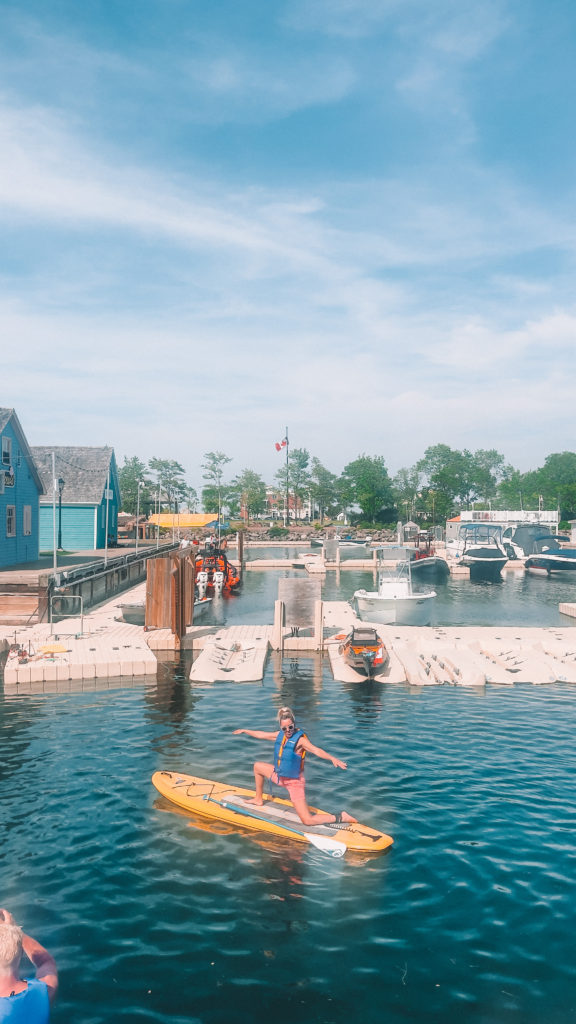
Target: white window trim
x=6 y=450
x=11 y=516
x=27 y=520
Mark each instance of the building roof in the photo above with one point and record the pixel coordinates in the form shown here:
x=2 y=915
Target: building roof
x=83 y=470
x=7 y=416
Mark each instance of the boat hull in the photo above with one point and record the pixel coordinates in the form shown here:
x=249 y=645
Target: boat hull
x=564 y=562
x=430 y=568
x=134 y=614
x=484 y=565
x=364 y=652
x=414 y=610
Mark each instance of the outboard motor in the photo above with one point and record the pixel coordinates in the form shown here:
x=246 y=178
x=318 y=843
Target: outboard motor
x=201 y=583
x=218 y=581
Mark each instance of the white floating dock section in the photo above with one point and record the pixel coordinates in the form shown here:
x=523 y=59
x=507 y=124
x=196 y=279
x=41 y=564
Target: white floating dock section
x=233 y=655
x=471 y=656
x=96 y=646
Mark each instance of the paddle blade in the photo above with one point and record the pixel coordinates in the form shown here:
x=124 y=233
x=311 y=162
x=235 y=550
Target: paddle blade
x=330 y=846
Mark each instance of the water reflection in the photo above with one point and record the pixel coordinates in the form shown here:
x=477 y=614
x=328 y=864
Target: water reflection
x=366 y=700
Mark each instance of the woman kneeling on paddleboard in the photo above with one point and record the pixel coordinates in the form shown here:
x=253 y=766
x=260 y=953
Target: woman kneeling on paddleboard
x=290 y=748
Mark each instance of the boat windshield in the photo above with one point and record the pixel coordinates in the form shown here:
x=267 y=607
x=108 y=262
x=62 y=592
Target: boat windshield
x=363 y=636
x=478 y=533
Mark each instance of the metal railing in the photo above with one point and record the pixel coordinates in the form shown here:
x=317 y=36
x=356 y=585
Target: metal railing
x=66 y=597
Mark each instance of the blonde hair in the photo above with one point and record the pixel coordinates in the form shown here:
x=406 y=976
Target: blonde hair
x=10 y=944
x=286 y=713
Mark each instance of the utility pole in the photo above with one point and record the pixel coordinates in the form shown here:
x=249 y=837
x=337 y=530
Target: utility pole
x=54 y=486
x=287 y=481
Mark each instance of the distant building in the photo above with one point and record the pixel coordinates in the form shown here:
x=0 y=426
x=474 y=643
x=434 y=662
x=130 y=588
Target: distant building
x=87 y=497
x=276 y=505
x=20 y=490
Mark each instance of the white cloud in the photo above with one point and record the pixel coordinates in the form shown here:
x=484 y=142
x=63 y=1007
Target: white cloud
x=486 y=348
x=253 y=87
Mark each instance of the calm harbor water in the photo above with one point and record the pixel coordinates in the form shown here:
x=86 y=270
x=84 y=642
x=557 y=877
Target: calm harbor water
x=155 y=917
x=516 y=600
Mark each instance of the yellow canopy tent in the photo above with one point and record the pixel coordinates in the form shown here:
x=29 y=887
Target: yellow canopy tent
x=183 y=520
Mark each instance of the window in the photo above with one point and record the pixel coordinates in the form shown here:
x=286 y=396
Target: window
x=6 y=451
x=10 y=520
x=19 y=458
x=27 y=520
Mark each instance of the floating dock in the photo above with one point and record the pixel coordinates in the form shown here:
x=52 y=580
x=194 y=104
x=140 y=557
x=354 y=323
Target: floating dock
x=102 y=647
x=97 y=646
x=228 y=659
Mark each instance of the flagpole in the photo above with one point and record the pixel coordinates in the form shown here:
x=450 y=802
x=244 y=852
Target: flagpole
x=287 y=484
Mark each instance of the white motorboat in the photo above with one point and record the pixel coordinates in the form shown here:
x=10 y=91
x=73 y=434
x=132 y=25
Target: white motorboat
x=353 y=542
x=479 y=547
x=395 y=602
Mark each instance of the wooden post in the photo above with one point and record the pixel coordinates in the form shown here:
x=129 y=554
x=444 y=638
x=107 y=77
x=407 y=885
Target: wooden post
x=278 y=633
x=319 y=625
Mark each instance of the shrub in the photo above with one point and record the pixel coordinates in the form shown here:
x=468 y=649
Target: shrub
x=277 y=531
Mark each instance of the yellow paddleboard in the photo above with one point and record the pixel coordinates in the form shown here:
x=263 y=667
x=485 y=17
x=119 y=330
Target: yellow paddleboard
x=276 y=817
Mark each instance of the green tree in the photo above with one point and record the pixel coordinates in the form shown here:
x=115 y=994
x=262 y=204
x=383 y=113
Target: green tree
x=130 y=474
x=170 y=479
x=250 y=492
x=460 y=478
x=296 y=476
x=324 y=489
x=407 y=488
x=511 y=490
x=365 y=482
x=215 y=493
x=489 y=470
x=553 y=485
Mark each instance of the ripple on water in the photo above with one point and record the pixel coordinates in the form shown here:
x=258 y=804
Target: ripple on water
x=172 y=920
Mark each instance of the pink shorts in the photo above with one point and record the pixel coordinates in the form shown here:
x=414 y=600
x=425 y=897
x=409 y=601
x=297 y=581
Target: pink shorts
x=295 y=787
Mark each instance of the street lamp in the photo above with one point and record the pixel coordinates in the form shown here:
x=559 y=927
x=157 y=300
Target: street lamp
x=138 y=513
x=61 y=483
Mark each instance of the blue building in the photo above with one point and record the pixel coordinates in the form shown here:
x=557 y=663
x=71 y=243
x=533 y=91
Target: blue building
x=87 y=497
x=20 y=489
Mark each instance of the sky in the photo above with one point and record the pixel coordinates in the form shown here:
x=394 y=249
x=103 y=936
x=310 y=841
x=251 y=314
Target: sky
x=351 y=218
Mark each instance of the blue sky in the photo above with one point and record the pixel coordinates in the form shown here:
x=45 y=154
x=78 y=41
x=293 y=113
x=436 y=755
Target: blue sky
x=351 y=217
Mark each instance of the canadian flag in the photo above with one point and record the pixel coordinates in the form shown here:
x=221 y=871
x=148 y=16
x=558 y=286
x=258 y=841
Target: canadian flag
x=281 y=444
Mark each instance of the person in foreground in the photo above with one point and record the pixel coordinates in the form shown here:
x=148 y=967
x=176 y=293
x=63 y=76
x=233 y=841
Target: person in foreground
x=24 y=1001
x=290 y=748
